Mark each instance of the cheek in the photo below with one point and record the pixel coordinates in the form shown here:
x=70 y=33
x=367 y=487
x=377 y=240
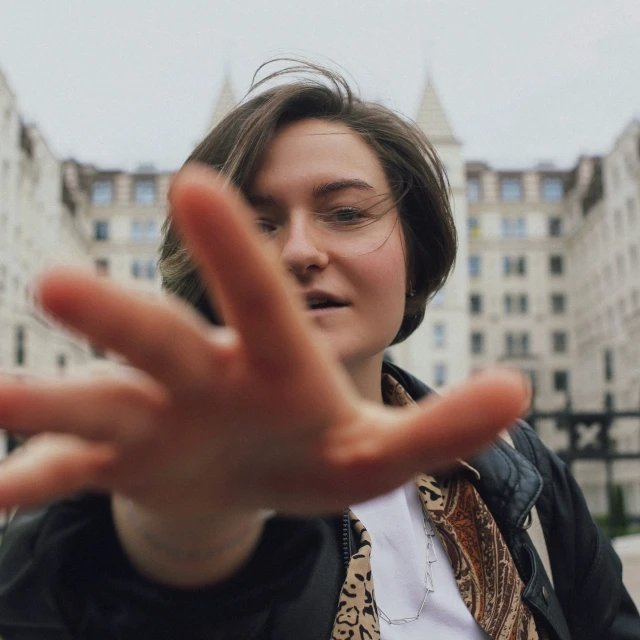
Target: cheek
x=385 y=273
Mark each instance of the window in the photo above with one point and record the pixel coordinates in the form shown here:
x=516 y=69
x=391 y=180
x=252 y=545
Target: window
x=438 y=298
x=555 y=226
x=620 y=266
x=514 y=265
x=511 y=189
x=144 y=230
x=475 y=303
x=521 y=266
x=559 y=341
x=477 y=342
x=144 y=192
x=556 y=265
x=438 y=335
x=558 y=303
x=516 y=344
x=608 y=365
x=151 y=230
x=136 y=231
x=514 y=228
x=440 y=374
x=474 y=189
x=150 y=269
x=514 y=303
x=609 y=401
x=20 y=352
x=473 y=227
x=523 y=303
x=552 y=189
x=474 y=265
x=631 y=211
x=533 y=378
x=507 y=262
x=102 y=266
x=101 y=230
x=102 y=192
x=143 y=268
x=633 y=258
x=561 y=380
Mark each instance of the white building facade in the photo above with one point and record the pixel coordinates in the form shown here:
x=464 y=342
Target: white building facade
x=40 y=224
x=126 y=212
x=519 y=298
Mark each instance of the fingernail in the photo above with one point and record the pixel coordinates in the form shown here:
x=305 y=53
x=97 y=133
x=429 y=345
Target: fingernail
x=528 y=389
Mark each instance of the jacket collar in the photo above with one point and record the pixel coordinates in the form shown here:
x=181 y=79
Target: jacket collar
x=509 y=483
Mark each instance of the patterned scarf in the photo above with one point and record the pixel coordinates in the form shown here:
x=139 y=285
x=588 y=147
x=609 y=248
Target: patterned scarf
x=482 y=564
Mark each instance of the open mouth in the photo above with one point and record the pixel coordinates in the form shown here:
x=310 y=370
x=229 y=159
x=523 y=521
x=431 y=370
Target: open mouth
x=324 y=303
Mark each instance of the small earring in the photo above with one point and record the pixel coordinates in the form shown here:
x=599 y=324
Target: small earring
x=412 y=291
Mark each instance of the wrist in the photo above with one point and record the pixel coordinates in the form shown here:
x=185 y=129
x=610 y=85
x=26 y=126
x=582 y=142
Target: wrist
x=189 y=550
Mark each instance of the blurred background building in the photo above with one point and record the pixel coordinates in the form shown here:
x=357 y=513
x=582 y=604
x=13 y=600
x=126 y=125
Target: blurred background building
x=547 y=278
x=41 y=222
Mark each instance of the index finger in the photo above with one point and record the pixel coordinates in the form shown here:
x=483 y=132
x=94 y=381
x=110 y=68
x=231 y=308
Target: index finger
x=250 y=289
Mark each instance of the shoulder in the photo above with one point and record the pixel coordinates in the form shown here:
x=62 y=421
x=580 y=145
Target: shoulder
x=34 y=555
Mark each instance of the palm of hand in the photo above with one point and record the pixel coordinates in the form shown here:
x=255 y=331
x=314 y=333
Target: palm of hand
x=255 y=415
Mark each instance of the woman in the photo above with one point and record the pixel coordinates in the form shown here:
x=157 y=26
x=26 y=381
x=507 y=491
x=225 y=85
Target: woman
x=190 y=468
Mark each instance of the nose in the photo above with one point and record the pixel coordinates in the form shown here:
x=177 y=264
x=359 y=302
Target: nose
x=303 y=250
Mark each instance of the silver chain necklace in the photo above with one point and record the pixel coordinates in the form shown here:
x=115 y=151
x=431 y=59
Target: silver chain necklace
x=428 y=573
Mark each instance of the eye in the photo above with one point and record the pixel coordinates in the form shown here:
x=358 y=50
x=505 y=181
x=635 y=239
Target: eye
x=264 y=226
x=348 y=215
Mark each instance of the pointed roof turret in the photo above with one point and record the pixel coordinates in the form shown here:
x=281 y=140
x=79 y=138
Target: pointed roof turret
x=432 y=118
x=226 y=102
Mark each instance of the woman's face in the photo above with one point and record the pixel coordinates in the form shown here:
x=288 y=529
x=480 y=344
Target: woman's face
x=323 y=202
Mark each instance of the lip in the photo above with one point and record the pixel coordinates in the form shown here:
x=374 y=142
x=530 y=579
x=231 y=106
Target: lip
x=316 y=313
x=318 y=294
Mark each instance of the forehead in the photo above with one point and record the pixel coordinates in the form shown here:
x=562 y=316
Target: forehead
x=312 y=150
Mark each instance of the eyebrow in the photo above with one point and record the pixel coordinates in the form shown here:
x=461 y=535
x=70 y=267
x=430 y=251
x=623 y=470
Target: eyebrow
x=341 y=185
x=320 y=190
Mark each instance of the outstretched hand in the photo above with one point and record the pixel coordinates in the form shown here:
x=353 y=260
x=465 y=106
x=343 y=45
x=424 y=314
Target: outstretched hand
x=252 y=415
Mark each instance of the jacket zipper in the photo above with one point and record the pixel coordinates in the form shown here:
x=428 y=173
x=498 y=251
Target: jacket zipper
x=346 y=539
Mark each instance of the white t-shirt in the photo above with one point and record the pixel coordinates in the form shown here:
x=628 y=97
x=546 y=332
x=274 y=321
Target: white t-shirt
x=398 y=561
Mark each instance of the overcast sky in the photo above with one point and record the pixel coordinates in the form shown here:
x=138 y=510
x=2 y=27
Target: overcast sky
x=126 y=82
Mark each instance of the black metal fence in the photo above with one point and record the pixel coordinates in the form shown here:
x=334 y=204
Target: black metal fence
x=595 y=436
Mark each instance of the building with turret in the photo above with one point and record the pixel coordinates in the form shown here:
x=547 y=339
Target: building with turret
x=547 y=277
x=438 y=352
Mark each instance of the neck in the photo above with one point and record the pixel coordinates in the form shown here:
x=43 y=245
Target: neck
x=366 y=376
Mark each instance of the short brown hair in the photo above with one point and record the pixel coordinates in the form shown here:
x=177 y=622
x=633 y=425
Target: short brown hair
x=237 y=145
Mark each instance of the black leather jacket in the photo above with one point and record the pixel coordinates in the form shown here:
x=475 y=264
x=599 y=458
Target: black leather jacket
x=63 y=574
